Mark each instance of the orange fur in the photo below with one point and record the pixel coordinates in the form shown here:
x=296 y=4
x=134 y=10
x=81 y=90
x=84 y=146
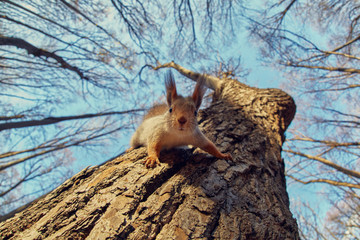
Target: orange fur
x=174 y=124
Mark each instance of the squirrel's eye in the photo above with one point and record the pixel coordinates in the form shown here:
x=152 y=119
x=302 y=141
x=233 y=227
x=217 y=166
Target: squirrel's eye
x=195 y=113
x=170 y=110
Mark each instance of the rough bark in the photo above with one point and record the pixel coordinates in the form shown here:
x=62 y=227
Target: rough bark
x=191 y=195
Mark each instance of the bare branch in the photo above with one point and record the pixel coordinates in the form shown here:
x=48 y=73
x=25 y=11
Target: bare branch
x=328 y=181
x=38 y=52
x=53 y=120
x=347 y=44
x=57 y=148
x=192 y=20
x=211 y=82
x=73 y=8
x=282 y=14
x=349 y=87
x=336 y=69
x=328 y=163
x=66 y=28
x=27 y=177
x=329 y=143
x=6 y=118
x=341 y=54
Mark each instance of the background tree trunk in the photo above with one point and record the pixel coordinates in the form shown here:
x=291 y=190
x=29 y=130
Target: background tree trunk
x=191 y=195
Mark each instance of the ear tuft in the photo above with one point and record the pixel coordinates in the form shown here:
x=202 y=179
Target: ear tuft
x=199 y=91
x=170 y=86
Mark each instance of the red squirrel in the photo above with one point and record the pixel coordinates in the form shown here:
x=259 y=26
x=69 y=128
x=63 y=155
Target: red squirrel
x=173 y=125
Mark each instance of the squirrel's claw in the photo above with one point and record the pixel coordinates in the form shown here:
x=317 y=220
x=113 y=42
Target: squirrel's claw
x=129 y=149
x=227 y=156
x=151 y=162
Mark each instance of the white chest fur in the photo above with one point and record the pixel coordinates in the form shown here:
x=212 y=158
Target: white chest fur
x=159 y=129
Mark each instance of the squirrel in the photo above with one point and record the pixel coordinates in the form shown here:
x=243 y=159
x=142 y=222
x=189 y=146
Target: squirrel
x=173 y=124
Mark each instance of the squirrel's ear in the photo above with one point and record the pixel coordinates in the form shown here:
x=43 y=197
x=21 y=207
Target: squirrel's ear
x=199 y=91
x=170 y=86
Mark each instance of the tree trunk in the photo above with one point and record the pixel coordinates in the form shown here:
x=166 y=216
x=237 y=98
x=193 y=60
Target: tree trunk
x=191 y=195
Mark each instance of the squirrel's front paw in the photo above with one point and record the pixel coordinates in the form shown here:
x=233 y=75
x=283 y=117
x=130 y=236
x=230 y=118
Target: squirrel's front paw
x=151 y=161
x=129 y=149
x=227 y=156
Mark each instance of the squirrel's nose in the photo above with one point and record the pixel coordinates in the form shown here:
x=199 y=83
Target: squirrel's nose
x=182 y=120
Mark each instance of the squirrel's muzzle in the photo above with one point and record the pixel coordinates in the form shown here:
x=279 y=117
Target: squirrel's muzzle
x=182 y=120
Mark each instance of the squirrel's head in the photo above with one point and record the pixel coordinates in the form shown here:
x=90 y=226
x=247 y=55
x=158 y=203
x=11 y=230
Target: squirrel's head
x=183 y=111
